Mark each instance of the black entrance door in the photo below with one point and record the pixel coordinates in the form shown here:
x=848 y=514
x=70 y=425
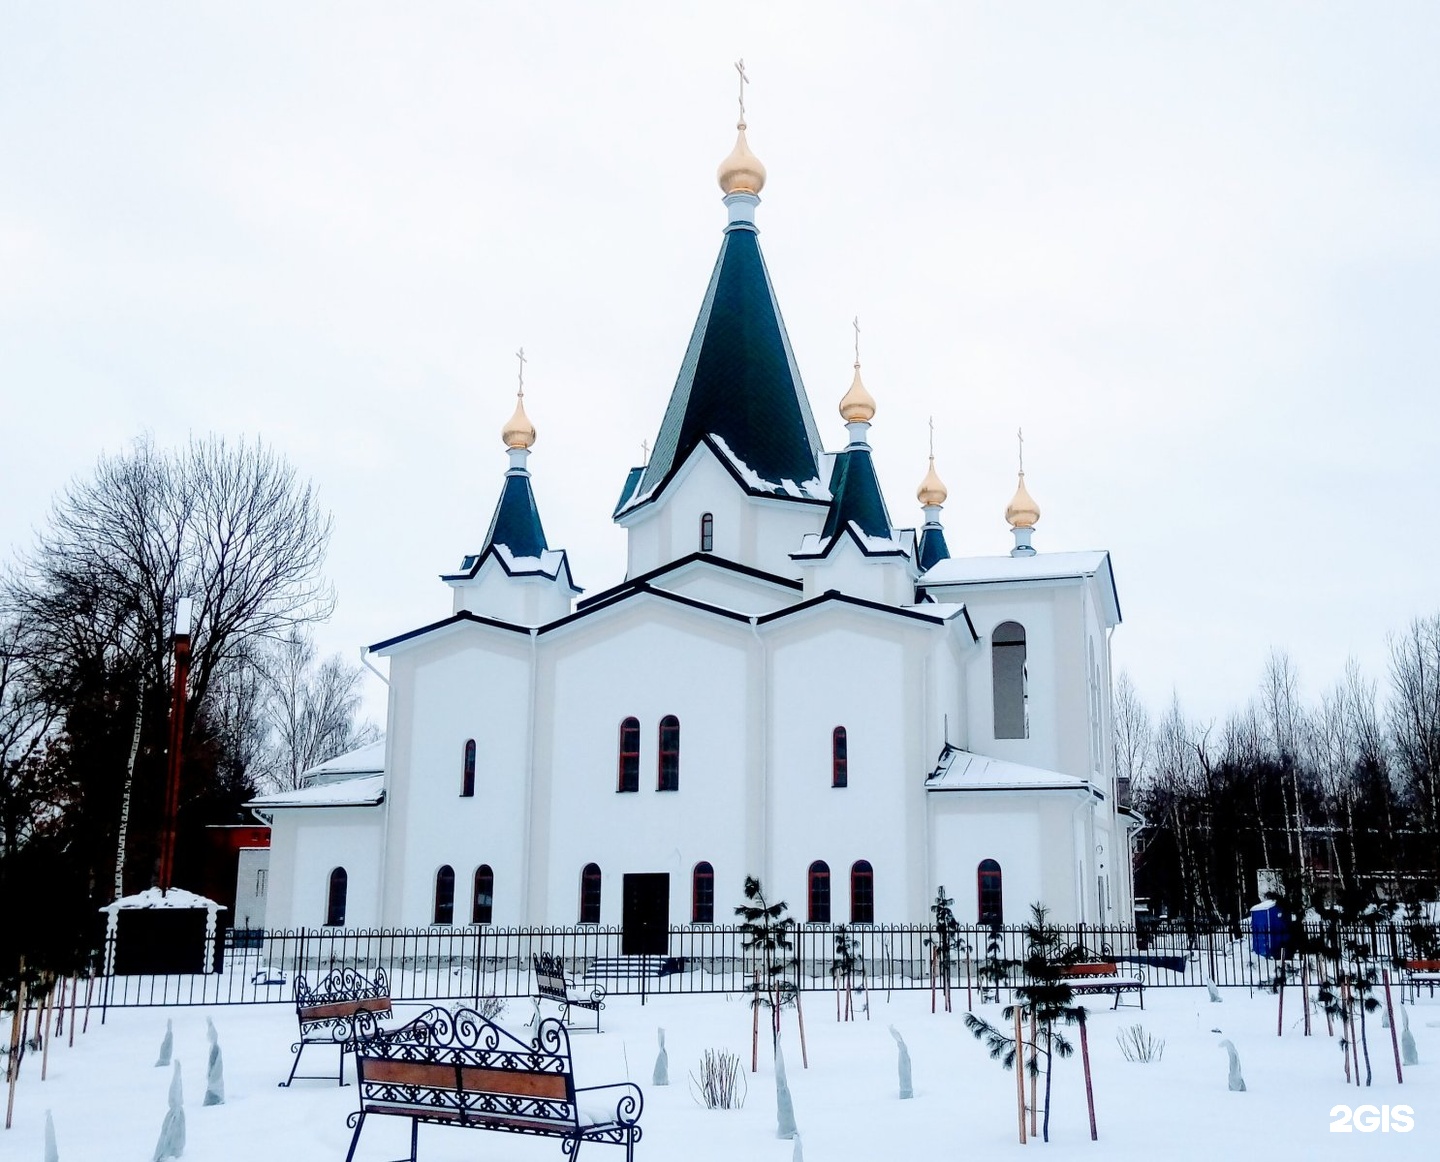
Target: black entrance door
x=645 y=925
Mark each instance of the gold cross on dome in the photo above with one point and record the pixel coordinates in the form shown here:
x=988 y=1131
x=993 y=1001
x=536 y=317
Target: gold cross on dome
x=932 y=439
x=1020 y=436
x=744 y=80
x=855 y=322
x=520 y=355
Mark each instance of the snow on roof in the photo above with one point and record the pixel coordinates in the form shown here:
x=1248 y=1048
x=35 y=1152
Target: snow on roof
x=1039 y=567
x=962 y=770
x=1042 y=566
x=155 y=898
x=811 y=489
x=363 y=791
x=548 y=562
x=365 y=760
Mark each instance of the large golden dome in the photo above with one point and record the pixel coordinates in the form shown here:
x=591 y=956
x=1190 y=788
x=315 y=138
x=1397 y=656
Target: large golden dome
x=518 y=431
x=1022 y=512
x=858 y=406
x=741 y=172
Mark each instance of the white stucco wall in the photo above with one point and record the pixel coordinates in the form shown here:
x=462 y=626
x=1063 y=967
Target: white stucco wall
x=306 y=845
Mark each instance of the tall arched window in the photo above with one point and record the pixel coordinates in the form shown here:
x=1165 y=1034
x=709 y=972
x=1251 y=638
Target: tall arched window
x=990 y=908
x=482 y=908
x=839 y=758
x=590 y=894
x=445 y=895
x=819 y=893
x=669 y=754
x=707 y=533
x=467 y=778
x=862 y=892
x=629 y=778
x=702 y=894
x=335 y=902
x=1007 y=663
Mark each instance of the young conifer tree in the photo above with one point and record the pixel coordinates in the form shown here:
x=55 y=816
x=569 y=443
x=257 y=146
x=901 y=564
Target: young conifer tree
x=765 y=932
x=1046 y=996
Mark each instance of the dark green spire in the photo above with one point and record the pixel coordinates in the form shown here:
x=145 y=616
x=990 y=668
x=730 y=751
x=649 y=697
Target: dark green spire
x=933 y=548
x=739 y=384
x=857 y=495
x=516 y=523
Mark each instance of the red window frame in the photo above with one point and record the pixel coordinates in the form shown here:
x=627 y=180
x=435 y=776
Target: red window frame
x=628 y=778
x=839 y=757
x=467 y=777
x=482 y=904
x=702 y=894
x=590 y=883
x=445 y=895
x=862 y=892
x=989 y=893
x=818 y=893
x=668 y=773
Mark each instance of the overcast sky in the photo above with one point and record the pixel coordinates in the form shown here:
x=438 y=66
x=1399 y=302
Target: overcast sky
x=1193 y=249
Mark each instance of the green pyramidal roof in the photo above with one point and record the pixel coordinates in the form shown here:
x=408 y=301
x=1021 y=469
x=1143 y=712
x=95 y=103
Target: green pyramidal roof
x=857 y=496
x=516 y=523
x=739 y=384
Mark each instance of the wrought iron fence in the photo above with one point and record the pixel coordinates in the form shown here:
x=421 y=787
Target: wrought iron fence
x=465 y=963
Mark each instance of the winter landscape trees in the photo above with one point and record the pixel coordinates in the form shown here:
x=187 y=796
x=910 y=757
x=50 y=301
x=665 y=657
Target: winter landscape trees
x=1341 y=792
x=86 y=617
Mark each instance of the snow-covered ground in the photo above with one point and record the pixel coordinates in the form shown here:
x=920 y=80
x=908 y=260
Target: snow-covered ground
x=108 y=1099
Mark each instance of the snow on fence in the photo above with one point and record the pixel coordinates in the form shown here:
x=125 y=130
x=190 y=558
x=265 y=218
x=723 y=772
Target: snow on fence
x=466 y=962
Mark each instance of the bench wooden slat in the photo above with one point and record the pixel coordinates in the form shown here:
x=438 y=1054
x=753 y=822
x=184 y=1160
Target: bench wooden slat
x=389 y=1071
x=333 y=1009
x=515 y=1083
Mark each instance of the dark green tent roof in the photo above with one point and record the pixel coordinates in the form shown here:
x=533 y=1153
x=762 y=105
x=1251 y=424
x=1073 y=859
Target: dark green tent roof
x=516 y=523
x=739 y=383
x=933 y=548
x=857 y=496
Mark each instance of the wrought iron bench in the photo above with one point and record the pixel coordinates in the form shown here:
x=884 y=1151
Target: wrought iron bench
x=1103 y=976
x=551 y=985
x=343 y=1007
x=458 y=1069
x=1421 y=974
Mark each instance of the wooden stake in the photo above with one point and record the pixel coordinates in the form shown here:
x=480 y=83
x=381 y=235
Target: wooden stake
x=800 y=1016
x=754 y=1025
x=1394 y=1039
x=16 y=1037
x=932 y=981
x=1089 y=1092
x=1034 y=1079
x=49 y=1006
x=89 y=988
x=1305 y=991
x=1020 y=1074
x=74 y=992
x=969 y=1002
x=60 y=1017
x=1280 y=1011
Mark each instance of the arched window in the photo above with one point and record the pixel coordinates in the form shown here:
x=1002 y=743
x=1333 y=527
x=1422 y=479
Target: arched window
x=335 y=902
x=839 y=758
x=990 y=908
x=590 y=894
x=702 y=894
x=629 y=779
x=1007 y=662
x=445 y=895
x=862 y=892
x=819 y=893
x=467 y=779
x=707 y=533
x=482 y=909
x=669 y=754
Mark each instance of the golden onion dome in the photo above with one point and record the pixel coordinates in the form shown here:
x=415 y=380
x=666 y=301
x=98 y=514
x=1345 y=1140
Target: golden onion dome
x=741 y=172
x=932 y=489
x=858 y=406
x=518 y=431
x=1022 y=512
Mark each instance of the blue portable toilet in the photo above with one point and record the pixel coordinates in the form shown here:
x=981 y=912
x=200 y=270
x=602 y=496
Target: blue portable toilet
x=1268 y=930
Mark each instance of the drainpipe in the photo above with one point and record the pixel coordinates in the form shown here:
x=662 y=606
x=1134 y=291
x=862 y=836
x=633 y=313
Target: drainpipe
x=764 y=726
x=528 y=915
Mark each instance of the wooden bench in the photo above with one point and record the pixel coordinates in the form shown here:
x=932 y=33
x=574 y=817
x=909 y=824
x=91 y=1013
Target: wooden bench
x=1103 y=977
x=552 y=985
x=461 y=1070
x=1418 y=973
x=340 y=1010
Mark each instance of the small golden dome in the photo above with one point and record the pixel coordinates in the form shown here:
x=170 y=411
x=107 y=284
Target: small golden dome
x=1022 y=512
x=741 y=172
x=858 y=406
x=518 y=431
x=932 y=489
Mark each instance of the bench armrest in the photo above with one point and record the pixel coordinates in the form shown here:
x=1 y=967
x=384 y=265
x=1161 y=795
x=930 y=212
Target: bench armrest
x=629 y=1100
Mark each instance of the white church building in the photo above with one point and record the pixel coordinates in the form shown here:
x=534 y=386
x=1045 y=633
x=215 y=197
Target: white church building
x=785 y=685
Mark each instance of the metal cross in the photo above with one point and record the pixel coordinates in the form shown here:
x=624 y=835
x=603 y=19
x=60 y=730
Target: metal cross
x=520 y=355
x=1020 y=436
x=932 y=439
x=855 y=322
x=645 y=452
x=744 y=80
